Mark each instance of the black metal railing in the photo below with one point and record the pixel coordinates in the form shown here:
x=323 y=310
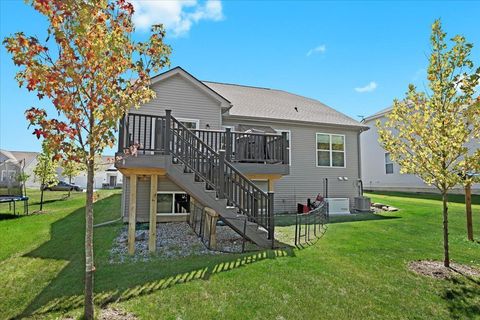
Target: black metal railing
x=219 y=174
x=247 y=146
x=146 y=134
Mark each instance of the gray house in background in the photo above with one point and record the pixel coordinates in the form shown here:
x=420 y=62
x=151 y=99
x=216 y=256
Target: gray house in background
x=380 y=173
x=276 y=143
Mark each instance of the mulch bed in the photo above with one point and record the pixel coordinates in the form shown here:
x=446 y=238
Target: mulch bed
x=115 y=314
x=436 y=269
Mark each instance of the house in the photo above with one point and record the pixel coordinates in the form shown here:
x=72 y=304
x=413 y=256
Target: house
x=380 y=173
x=14 y=162
x=106 y=175
x=240 y=150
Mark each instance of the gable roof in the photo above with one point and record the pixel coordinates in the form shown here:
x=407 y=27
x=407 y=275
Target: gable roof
x=18 y=156
x=378 y=114
x=224 y=102
x=28 y=156
x=279 y=105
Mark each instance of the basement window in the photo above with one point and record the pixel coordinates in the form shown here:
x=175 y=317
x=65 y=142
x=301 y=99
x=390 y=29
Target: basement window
x=173 y=202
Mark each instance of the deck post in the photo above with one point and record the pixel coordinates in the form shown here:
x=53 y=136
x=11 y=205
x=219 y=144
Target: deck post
x=168 y=118
x=284 y=148
x=132 y=214
x=228 y=144
x=221 y=174
x=271 y=222
x=121 y=135
x=152 y=234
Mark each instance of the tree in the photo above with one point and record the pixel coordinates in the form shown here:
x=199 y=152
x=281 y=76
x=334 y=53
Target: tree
x=45 y=172
x=428 y=133
x=71 y=169
x=93 y=74
x=22 y=178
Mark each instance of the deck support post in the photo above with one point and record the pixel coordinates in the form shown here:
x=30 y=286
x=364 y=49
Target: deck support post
x=271 y=221
x=132 y=214
x=152 y=233
x=210 y=229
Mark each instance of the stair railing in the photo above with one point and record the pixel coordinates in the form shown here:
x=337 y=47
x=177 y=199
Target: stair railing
x=219 y=174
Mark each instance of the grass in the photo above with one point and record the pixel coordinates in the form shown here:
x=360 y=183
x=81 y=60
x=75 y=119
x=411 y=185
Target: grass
x=357 y=270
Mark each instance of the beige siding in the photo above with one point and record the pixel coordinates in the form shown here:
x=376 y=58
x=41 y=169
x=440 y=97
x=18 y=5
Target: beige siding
x=185 y=100
x=306 y=179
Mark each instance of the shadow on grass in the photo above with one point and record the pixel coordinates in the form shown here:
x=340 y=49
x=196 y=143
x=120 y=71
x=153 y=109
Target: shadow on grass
x=119 y=282
x=454 y=198
x=463 y=297
x=8 y=216
x=285 y=220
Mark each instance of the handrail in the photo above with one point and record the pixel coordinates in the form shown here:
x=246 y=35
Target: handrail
x=219 y=174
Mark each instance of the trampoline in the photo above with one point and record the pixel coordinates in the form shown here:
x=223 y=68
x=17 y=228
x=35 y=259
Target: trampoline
x=13 y=200
x=12 y=190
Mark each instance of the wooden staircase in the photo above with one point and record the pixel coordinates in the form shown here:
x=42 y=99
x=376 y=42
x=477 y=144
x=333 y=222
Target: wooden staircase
x=213 y=181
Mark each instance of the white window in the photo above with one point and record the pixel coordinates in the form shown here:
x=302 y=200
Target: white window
x=289 y=143
x=8 y=175
x=388 y=164
x=192 y=124
x=172 y=202
x=330 y=150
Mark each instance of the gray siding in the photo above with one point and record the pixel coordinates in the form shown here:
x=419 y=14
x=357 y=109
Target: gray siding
x=185 y=100
x=306 y=179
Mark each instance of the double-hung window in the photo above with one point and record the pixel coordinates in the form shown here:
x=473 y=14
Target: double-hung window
x=388 y=164
x=330 y=150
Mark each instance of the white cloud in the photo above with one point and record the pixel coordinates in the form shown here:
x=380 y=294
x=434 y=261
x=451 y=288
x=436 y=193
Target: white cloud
x=177 y=16
x=368 y=88
x=319 y=49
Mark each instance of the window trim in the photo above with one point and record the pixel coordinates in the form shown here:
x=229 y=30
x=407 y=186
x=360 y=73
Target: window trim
x=331 y=150
x=289 y=131
x=173 y=193
x=387 y=163
x=196 y=121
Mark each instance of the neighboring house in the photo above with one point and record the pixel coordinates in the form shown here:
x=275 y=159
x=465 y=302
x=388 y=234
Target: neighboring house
x=380 y=173
x=106 y=176
x=282 y=143
x=21 y=160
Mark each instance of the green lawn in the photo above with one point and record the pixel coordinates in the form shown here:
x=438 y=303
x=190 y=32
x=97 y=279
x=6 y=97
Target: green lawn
x=356 y=271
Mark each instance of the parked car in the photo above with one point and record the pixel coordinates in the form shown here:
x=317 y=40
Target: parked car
x=63 y=186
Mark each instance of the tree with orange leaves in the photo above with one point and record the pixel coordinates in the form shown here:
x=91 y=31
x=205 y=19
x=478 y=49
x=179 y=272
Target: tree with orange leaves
x=93 y=75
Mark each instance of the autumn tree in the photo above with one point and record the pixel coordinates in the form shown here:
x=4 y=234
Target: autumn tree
x=45 y=171
x=93 y=73
x=428 y=133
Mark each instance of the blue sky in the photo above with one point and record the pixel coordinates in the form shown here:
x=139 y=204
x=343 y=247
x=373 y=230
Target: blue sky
x=354 y=56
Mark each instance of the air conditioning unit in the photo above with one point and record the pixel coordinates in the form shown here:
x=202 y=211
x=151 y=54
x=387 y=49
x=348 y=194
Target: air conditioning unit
x=362 y=204
x=338 y=205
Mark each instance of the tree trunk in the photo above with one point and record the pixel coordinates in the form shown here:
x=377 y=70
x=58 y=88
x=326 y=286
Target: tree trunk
x=89 y=266
x=42 y=188
x=468 y=209
x=70 y=182
x=446 y=258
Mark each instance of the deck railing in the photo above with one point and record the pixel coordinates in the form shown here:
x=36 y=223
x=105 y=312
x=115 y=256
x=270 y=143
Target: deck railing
x=219 y=174
x=147 y=134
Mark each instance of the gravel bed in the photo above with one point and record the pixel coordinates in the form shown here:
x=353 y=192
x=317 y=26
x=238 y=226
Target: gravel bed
x=174 y=240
